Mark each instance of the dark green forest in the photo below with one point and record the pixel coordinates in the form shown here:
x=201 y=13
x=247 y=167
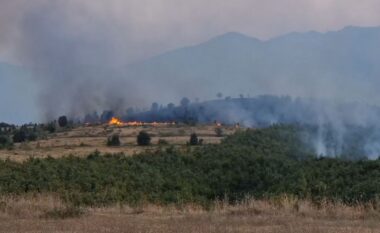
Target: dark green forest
x=261 y=163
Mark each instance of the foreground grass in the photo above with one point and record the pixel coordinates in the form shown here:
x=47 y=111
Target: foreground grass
x=36 y=214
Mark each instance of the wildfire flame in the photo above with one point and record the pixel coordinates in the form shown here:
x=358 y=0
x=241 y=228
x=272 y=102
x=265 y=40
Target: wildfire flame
x=117 y=122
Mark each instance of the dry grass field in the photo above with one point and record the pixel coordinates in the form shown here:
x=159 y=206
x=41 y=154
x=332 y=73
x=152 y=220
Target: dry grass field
x=31 y=214
x=83 y=140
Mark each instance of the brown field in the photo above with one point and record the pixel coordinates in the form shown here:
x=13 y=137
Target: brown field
x=36 y=214
x=83 y=140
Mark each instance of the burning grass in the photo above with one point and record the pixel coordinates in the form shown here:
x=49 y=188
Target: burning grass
x=118 y=122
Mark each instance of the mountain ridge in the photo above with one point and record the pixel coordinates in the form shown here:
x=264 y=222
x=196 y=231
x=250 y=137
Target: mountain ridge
x=297 y=64
x=254 y=39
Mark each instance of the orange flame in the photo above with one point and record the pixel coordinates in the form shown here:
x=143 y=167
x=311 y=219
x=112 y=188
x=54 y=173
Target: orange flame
x=117 y=122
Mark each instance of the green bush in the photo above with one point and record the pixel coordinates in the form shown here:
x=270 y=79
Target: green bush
x=114 y=140
x=19 y=136
x=143 y=138
x=193 y=139
x=5 y=142
x=219 y=132
x=50 y=127
x=32 y=137
x=62 y=121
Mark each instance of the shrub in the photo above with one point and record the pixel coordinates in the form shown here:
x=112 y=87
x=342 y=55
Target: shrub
x=19 y=136
x=3 y=140
x=194 y=139
x=143 y=139
x=114 y=140
x=219 y=132
x=62 y=121
x=50 y=127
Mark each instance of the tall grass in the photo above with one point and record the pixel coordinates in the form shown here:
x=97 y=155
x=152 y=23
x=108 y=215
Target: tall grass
x=47 y=213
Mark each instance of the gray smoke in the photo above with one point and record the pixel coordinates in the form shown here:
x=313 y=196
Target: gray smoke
x=332 y=129
x=78 y=67
x=78 y=49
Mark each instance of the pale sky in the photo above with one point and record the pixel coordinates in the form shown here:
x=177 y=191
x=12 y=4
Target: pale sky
x=143 y=28
x=32 y=32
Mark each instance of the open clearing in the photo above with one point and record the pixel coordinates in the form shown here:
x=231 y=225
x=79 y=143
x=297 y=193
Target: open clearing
x=83 y=140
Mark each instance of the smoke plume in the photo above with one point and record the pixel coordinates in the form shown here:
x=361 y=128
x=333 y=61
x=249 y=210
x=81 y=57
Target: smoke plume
x=76 y=63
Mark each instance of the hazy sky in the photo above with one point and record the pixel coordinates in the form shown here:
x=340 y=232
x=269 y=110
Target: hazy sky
x=40 y=33
x=147 y=27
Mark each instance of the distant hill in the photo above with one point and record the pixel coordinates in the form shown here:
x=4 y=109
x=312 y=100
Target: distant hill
x=332 y=128
x=342 y=64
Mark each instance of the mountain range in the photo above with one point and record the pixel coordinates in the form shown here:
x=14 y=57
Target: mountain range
x=342 y=64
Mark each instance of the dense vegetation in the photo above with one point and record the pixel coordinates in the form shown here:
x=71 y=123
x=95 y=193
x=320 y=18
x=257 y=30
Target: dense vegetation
x=143 y=138
x=260 y=163
x=10 y=134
